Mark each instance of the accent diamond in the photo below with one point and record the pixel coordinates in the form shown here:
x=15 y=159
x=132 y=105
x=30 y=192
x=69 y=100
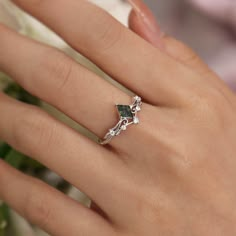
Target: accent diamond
x=112 y=133
x=136 y=120
x=137 y=98
x=123 y=127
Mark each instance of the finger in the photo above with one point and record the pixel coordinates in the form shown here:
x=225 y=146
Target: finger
x=48 y=208
x=74 y=90
x=118 y=51
x=60 y=81
x=83 y=163
x=53 y=77
x=143 y=22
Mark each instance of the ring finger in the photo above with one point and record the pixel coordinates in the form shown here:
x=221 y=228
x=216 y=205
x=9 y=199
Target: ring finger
x=59 y=80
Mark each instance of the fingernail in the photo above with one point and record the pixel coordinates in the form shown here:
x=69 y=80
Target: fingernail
x=148 y=19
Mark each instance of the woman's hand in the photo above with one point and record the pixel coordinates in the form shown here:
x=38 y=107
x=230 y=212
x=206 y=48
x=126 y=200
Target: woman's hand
x=173 y=174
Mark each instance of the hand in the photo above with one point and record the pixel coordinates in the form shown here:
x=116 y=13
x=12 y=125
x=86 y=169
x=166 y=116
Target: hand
x=173 y=174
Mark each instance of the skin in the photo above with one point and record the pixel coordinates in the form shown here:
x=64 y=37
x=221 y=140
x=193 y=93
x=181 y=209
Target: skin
x=173 y=174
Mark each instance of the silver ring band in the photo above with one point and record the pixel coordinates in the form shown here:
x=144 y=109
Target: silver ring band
x=128 y=115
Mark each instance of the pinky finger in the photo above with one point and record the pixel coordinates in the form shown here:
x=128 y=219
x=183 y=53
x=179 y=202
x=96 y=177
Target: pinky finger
x=48 y=208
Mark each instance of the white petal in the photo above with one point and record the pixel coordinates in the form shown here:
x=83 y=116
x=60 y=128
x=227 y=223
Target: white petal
x=118 y=8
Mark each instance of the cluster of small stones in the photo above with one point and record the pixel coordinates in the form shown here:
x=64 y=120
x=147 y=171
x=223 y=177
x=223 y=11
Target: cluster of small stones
x=125 y=112
x=138 y=108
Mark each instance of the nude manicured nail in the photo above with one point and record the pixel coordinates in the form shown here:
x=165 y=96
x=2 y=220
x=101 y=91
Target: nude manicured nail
x=152 y=29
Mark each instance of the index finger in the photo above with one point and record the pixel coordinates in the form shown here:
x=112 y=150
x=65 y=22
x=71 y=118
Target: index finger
x=117 y=50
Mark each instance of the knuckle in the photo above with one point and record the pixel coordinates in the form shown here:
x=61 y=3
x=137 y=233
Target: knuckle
x=57 y=67
x=110 y=37
x=32 y=131
x=209 y=117
x=150 y=207
x=209 y=106
x=36 y=207
x=190 y=57
x=149 y=211
x=108 y=32
x=182 y=52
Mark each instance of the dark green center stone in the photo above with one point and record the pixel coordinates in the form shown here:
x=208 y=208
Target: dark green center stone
x=125 y=111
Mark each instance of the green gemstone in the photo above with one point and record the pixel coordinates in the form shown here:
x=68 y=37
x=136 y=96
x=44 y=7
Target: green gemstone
x=125 y=111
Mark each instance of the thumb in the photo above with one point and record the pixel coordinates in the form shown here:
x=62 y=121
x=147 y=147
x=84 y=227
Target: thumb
x=143 y=23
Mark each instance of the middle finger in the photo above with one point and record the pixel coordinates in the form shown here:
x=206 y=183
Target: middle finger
x=59 y=80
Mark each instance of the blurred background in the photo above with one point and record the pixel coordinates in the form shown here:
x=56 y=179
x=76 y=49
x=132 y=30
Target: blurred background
x=208 y=26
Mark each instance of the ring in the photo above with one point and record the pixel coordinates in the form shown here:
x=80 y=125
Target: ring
x=128 y=115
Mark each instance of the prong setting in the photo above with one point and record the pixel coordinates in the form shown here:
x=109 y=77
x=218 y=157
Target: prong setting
x=128 y=116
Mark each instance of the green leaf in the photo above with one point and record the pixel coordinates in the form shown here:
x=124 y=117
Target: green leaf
x=15 y=91
x=22 y=162
x=15 y=158
x=4 y=149
x=4 y=218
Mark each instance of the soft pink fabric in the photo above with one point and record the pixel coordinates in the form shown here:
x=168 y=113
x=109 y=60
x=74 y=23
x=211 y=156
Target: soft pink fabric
x=208 y=26
x=223 y=11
